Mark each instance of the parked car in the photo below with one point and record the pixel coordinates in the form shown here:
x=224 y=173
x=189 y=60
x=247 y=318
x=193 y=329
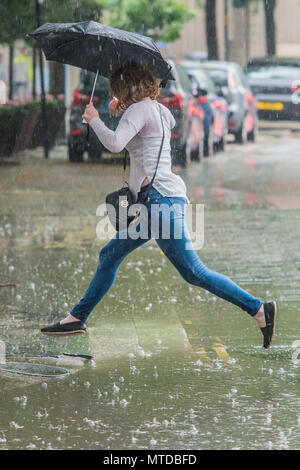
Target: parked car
x=231 y=83
x=188 y=134
x=276 y=84
x=214 y=107
x=77 y=141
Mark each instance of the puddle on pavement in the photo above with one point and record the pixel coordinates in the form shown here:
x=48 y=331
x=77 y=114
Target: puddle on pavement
x=173 y=366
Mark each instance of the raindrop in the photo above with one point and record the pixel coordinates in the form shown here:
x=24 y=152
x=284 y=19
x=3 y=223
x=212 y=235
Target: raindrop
x=140 y=352
x=194 y=430
x=15 y=425
x=23 y=400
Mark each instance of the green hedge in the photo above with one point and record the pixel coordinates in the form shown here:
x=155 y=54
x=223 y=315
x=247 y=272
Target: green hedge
x=21 y=126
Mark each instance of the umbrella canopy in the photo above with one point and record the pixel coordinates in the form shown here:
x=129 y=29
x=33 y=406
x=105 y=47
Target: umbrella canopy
x=99 y=48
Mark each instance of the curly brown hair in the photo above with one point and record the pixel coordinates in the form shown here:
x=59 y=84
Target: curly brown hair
x=131 y=83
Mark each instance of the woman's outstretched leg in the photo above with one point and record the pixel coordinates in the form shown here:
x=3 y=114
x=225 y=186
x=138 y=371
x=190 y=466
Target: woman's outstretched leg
x=110 y=258
x=194 y=271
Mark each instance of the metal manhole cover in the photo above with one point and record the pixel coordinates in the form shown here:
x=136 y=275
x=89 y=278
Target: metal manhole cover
x=39 y=370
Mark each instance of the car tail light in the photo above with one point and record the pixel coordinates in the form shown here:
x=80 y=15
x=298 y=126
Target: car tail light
x=195 y=110
x=295 y=86
x=82 y=99
x=174 y=101
x=76 y=131
x=175 y=135
x=249 y=97
x=201 y=99
x=219 y=104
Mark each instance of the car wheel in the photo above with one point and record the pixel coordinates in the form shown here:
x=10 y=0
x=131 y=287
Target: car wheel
x=197 y=153
x=241 y=135
x=253 y=134
x=208 y=144
x=95 y=154
x=222 y=144
x=75 y=153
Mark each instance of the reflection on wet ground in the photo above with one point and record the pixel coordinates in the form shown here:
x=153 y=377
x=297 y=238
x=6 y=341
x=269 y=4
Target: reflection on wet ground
x=173 y=366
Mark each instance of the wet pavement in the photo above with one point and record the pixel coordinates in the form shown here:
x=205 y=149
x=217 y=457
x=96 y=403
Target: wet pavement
x=173 y=366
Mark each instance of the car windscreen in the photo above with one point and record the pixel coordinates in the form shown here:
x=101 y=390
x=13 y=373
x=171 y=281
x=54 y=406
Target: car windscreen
x=87 y=79
x=218 y=76
x=184 y=79
x=202 y=79
x=268 y=72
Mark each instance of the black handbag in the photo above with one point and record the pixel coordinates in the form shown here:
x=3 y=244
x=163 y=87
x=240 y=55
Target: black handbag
x=119 y=202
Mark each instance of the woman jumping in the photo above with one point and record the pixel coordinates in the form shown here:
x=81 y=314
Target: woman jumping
x=140 y=132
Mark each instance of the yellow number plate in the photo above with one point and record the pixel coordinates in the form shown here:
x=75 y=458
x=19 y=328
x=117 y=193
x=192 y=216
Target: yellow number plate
x=274 y=106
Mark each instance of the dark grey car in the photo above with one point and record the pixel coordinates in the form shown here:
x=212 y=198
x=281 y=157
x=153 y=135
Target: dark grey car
x=276 y=84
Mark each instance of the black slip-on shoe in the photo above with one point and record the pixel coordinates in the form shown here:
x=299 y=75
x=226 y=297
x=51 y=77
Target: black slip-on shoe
x=270 y=309
x=65 y=329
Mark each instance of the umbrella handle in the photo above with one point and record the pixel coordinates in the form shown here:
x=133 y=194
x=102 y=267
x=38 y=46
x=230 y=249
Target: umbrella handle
x=93 y=91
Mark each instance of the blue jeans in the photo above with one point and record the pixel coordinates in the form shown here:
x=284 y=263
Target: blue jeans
x=186 y=261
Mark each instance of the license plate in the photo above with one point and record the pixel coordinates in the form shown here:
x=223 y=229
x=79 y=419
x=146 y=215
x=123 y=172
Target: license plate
x=270 y=106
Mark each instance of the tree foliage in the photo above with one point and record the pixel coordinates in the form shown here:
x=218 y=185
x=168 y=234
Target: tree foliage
x=19 y=16
x=160 y=19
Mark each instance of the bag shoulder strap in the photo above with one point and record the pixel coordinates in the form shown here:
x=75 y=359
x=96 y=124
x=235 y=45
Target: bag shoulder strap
x=159 y=154
x=161 y=144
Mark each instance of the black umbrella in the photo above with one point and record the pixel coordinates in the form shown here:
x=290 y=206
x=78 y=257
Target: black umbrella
x=100 y=48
